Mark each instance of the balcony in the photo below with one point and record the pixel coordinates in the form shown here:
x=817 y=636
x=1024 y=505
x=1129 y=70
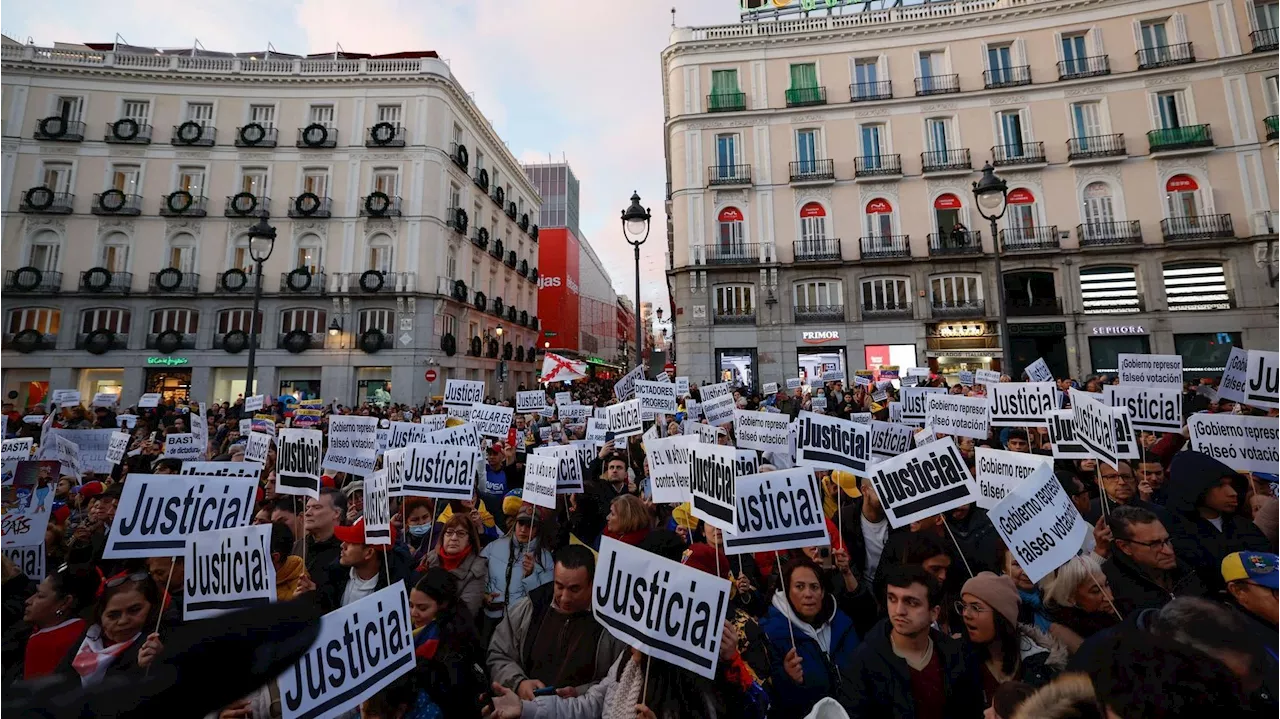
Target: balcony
x=1036 y=238
x=317 y=136
x=300 y=341
x=309 y=204
x=877 y=166
x=866 y=91
x=116 y=202
x=458 y=153
x=304 y=280
x=511 y=260
x=44 y=201
x=115 y=341
x=806 y=314
x=234 y=281
x=1096 y=147
x=806 y=96
x=952 y=244
x=1187 y=137
x=255 y=134
x=29 y=340
x=385 y=134
x=1265 y=39
x=59 y=129
x=885 y=247
x=1272 y=124
x=496 y=249
x=172 y=280
x=246 y=204
x=127 y=131
x=1018 y=153
x=728 y=175
x=380 y=204
x=32 y=280
x=512 y=211
x=734 y=317
x=1198 y=301
x=456 y=217
x=378 y=282
x=1202 y=227
x=185 y=341
x=1109 y=234
x=733 y=254
x=823 y=250
x=1165 y=56
x=958 y=308
x=886 y=311
x=481 y=238
x=523 y=269
x=813 y=171
x=1091 y=66
x=220 y=340
x=104 y=281
x=1032 y=306
x=946 y=161
x=1012 y=76
x=727 y=102
x=937 y=85
x=194 y=134
x=181 y=203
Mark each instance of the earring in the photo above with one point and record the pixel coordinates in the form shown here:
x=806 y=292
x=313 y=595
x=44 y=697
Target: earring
x=59 y=612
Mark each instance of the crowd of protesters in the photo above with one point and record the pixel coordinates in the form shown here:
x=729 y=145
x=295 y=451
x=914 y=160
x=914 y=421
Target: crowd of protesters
x=1170 y=609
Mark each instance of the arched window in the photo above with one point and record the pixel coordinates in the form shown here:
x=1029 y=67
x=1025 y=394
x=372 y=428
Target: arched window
x=237 y=319
x=115 y=252
x=879 y=218
x=45 y=251
x=946 y=212
x=182 y=252
x=451 y=264
x=302 y=318
x=381 y=319
x=955 y=291
x=180 y=320
x=310 y=253
x=240 y=257
x=380 y=254
x=111 y=320
x=1196 y=287
x=44 y=320
x=813 y=223
x=1021 y=217
x=735 y=301
x=1099 y=205
x=730 y=232
x=1182 y=197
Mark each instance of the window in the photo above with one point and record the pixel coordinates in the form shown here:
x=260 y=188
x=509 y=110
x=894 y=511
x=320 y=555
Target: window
x=450 y=325
x=1099 y=208
x=264 y=115
x=804 y=76
x=321 y=114
x=1205 y=353
x=125 y=178
x=115 y=252
x=730 y=233
x=232 y=320
x=310 y=253
x=451 y=264
x=191 y=179
x=69 y=108
x=880 y=220
x=813 y=223
x=727 y=148
x=240 y=257
x=1171 y=110
x=116 y=321
x=316 y=181
x=184 y=321
x=182 y=253
x=201 y=112
x=1075 y=53
x=807 y=150
x=724 y=91
x=479 y=161
x=1196 y=287
x=938 y=134
x=955 y=290
x=1106 y=290
x=1271 y=91
x=45 y=251
x=57 y=176
x=380 y=254
x=1011 y=135
x=137 y=110
x=387 y=181
x=1086 y=122
x=307 y=320
x=735 y=300
x=457 y=133
x=933 y=71
x=1182 y=197
x=455 y=195
x=885 y=293
x=818 y=293
x=1000 y=63
x=1105 y=351
x=1155 y=35
x=389 y=113
x=866 y=72
x=872 y=137
x=44 y=320
x=1021 y=216
x=381 y=320
x=254 y=181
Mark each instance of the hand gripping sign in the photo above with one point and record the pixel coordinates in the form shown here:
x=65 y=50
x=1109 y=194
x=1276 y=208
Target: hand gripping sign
x=926 y=481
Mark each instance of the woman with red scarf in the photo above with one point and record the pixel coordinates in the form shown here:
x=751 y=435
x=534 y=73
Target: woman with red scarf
x=445 y=646
x=459 y=554
x=52 y=623
x=118 y=639
x=629 y=520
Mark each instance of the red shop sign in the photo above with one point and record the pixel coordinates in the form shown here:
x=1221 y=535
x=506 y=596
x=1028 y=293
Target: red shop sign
x=879 y=207
x=730 y=214
x=1181 y=183
x=813 y=209
x=1021 y=196
x=946 y=202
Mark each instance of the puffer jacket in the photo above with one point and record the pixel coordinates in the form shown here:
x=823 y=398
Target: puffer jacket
x=1043 y=657
x=826 y=655
x=1195 y=539
x=506 y=572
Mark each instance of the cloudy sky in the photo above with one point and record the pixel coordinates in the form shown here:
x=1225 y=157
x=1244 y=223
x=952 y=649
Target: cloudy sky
x=564 y=78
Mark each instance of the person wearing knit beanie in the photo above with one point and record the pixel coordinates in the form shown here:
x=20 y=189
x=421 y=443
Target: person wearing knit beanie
x=996 y=590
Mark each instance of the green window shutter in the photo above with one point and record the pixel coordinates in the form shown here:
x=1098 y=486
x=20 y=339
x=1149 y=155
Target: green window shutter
x=724 y=82
x=804 y=76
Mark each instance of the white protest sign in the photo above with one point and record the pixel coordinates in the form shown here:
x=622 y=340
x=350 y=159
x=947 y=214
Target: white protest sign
x=966 y=378
x=127 y=420
x=1151 y=370
x=1234 y=376
x=463 y=435
x=625 y=388
x=150 y=399
x=119 y=445
x=377 y=634
x=182 y=445
x=58 y=446
x=682 y=386
x=200 y=428
x=246 y=426
x=569 y=480
x=957 y=415
x=228 y=569
x=440 y=470
x=159 y=513
x=433 y=422
x=596 y=430
x=575 y=413
x=860 y=417
x=353 y=444
x=1243 y=443
x=1039 y=524
x=105 y=399
x=923 y=482
x=706 y=433
x=65 y=397
x=711 y=391
x=831 y=443
x=256 y=447
x=986 y=376
x=669 y=468
x=915 y=405
x=243 y=470
x=541 y=473
x=563 y=398
x=718 y=411
x=1155 y=409
x=492 y=420
x=1039 y=371
x=679 y=620
x=404 y=434
x=833 y=375
x=655 y=398
x=253 y=403
x=1262 y=382
x=462 y=393
x=861 y=380
x=377 y=508
x=890 y=439
x=769 y=388
x=28 y=502
x=692 y=409
x=711 y=472
x=531 y=401
x=925 y=436
x=765 y=431
x=818 y=401
x=1095 y=426
x=91 y=447
x=746 y=461
x=998 y=472
x=777 y=511
x=1021 y=404
x=17 y=450
x=794 y=383
x=1062 y=435
x=29 y=559
x=1126 y=441
x=625 y=418
x=298 y=462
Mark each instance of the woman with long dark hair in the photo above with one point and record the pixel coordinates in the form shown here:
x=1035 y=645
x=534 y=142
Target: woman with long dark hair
x=121 y=636
x=445 y=645
x=51 y=623
x=1008 y=651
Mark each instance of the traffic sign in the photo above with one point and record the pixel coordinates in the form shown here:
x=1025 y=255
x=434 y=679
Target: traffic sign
x=431 y=375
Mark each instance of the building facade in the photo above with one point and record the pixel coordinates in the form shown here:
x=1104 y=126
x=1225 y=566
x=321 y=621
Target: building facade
x=820 y=173
x=132 y=175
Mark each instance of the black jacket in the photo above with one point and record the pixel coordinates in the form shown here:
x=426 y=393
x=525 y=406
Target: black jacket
x=881 y=681
x=1134 y=589
x=1195 y=539
x=977 y=538
x=332 y=581
x=319 y=556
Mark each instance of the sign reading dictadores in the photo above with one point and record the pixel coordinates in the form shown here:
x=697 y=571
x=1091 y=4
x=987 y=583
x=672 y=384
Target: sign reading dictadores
x=664 y=608
x=926 y=481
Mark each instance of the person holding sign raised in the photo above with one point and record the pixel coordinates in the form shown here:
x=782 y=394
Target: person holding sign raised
x=361 y=569
x=518 y=564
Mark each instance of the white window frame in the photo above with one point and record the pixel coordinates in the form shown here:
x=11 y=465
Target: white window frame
x=312 y=171
x=901 y=291
x=309 y=241
x=307 y=319
x=47 y=166
x=178 y=319
x=819 y=142
x=261 y=171
x=112 y=319
x=376 y=318
x=108 y=242
x=375 y=246
x=235 y=318
x=814 y=289
x=40 y=319
x=180 y=170
x=741 y=296
x=965 y=286
x=382 y=109
x=1186 y=101
x=124 y=168
x=143 y=118
x=178 y=242
x=953 y=133
x=44 y=238
x=266 y=124
x=385 y=172
x=1024 y=122
x=315 y=114
x=188 y=112
x=78 y=103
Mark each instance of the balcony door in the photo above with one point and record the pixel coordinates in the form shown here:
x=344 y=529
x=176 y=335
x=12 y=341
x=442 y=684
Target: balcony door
x=1171 y=109
x=807 y=150
x=731 y=240
x=1087 y=123
x=1182 y=197
x=1011 y=133
x=938 y=136
x=872 y=146
x=1074 y=53
x=726 y=155
x=1020 y=218
x=813 y=226
x=880 y=222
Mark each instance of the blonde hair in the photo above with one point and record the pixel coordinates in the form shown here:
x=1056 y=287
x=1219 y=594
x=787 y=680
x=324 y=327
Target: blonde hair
x=1058 y=588
x=631 y=513
x=1070 y=696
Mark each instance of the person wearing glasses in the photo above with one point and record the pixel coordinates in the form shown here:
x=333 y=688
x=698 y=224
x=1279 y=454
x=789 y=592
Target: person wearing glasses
x=459 y=553
x=1008 y=651
x=122 y=636
x=1144 y=570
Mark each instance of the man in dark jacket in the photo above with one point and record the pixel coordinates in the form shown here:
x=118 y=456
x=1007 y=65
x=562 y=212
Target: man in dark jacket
x=1252 y=581
x=1204 y=495
x=319 y=548
x=1121 y=489
x=361 y=569
x=906 y=669
x=1144 y=570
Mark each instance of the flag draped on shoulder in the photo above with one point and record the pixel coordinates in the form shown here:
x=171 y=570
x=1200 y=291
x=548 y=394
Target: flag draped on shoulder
x=556 y=368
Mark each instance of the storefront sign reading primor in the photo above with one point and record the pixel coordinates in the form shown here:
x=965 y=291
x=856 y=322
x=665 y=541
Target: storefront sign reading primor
x=167 y=361
x=817 y=337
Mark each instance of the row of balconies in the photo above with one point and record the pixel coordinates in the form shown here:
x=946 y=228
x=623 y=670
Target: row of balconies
x=193 y=133
x=992 y=79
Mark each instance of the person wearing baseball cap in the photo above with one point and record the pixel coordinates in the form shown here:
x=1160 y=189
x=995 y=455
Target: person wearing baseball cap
x=359 y=570
x=1253 y=583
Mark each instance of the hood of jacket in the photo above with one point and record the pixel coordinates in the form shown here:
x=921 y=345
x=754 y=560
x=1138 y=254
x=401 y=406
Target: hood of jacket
x=1033 y=642
x=1192 y=474
x=821 y=634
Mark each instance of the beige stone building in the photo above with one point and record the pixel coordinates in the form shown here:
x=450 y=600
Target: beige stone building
x=820 y=169
x=131 y=176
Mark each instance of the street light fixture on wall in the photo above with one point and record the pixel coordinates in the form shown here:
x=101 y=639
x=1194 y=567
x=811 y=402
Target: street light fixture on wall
x=262 y=240
x=334 y=327
x=635 y=228
x=992 y=196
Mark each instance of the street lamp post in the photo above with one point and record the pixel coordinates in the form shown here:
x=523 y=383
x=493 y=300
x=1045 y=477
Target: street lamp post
x=262 y=240
x=502 y=363
x=992 y=196
x=635 y=224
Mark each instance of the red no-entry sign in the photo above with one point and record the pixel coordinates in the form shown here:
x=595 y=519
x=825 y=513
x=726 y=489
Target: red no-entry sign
x=431 y=375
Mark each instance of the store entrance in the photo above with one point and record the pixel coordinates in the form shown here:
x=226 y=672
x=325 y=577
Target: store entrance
x=814 y=362
x=174 y=385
